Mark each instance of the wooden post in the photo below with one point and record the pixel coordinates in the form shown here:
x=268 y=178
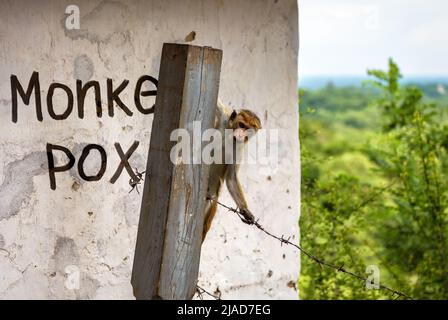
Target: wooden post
x=168 y=247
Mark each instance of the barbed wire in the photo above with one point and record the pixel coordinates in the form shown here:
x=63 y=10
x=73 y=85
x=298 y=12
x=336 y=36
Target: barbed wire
x=200 y=292
x=322 y=263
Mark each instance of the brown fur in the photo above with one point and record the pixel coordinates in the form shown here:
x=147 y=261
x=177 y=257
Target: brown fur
x=227 y=172
x=209 y=215
x=249 y=118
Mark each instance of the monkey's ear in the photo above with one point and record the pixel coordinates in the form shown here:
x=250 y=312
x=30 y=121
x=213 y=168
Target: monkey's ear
x=233 y=115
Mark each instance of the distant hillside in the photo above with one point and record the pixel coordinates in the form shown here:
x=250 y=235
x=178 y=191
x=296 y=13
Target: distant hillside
x=318 y=82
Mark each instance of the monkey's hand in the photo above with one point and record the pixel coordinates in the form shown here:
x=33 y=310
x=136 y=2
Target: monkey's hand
x=248 y=217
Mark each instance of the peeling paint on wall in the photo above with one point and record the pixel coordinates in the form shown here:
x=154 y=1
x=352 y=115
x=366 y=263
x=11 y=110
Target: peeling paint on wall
x=83 y=68
x=65 y=253
x=18 y=183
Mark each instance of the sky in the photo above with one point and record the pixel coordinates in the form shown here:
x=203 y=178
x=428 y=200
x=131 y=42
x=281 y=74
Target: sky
x=346 y=37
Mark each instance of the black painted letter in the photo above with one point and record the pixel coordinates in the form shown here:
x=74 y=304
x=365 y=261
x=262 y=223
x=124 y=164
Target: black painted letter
x=50 y=106
x=85 y=153
x=51 y=168
x=138 y=92
x=124 y=163
x=81 y=91
x=114 y=95
x=32 y=85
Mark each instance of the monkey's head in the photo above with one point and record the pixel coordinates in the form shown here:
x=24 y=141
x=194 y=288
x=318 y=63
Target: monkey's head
x=245 y=124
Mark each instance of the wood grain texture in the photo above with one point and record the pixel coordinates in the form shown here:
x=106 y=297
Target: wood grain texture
x=168 y=247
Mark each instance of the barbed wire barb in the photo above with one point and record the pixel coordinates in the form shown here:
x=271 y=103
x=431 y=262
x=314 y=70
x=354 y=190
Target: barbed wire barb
x=200 y=292
x=322 y=263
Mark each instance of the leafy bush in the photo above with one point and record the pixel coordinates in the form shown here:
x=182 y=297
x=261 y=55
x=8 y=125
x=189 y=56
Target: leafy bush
x=374 y=189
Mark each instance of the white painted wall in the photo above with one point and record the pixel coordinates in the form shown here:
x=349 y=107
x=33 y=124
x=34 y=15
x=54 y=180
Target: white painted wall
x=92 y=225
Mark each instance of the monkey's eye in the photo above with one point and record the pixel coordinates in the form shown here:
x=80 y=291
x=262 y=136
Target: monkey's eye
x=242 y=125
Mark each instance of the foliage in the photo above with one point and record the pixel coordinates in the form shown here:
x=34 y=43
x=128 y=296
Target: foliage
x=375 y=188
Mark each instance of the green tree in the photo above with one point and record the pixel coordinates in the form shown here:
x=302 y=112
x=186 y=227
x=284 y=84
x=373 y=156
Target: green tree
x=416 y=157
x=385 y=200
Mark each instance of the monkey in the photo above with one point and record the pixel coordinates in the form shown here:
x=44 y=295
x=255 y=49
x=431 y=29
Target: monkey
x=243 y=125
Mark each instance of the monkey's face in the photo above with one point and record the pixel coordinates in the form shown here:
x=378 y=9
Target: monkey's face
x=245 y=125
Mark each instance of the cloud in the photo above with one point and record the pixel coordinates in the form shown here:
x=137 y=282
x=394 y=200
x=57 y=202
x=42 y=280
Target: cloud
x=433 y=33
x=347 y=37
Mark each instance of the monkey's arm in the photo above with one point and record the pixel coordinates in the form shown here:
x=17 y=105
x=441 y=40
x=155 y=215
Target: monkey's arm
x=235 y=190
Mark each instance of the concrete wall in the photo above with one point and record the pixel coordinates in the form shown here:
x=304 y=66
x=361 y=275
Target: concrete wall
x=89 y=228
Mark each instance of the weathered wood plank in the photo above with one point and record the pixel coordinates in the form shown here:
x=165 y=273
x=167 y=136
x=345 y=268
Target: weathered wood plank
x=167 y=253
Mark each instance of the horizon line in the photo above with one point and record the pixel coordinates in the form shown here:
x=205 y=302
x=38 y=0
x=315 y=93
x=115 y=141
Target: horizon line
x=423 y=75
